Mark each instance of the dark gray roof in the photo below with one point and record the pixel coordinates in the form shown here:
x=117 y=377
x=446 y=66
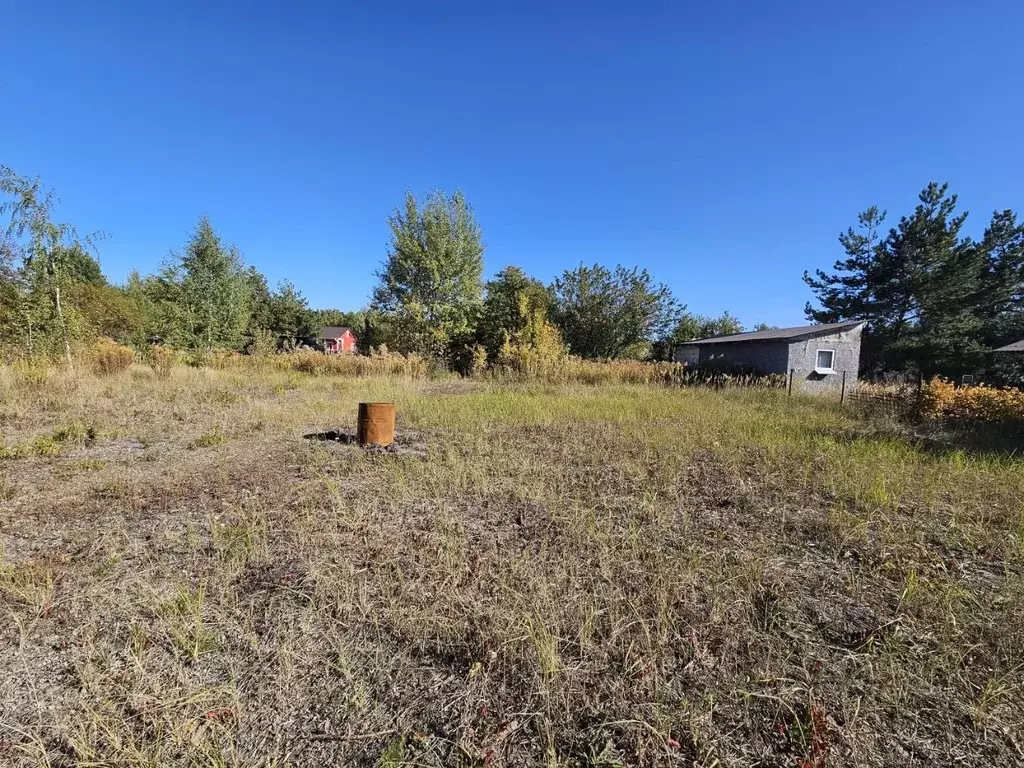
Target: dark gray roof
x=1017 y=346
x=333 y=332
x=783 y=334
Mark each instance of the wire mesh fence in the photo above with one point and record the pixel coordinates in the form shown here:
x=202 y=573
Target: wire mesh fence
x=896 y=395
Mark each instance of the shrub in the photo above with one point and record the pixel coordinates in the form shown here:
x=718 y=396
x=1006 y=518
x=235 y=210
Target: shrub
x=31 y=374
x=479 y=364
x=378 y=364
x=941 y=399
x=161 y=360
x=110 y=358
x=263 y=344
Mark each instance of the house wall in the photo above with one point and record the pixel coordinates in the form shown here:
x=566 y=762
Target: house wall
x=803 y=354
x=686 y=353
x=763 y=356
x=344 y=343
x=782 y=356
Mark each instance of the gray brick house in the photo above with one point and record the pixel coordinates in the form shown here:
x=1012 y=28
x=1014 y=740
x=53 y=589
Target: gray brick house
x=818 y=355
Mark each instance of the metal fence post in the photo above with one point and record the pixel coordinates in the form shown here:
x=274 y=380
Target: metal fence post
x=789 y=387
x=842 y=390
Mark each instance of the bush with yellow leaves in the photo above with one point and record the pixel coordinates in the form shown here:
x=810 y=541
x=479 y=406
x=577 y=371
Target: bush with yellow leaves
x=941 y=399
x=110 y=358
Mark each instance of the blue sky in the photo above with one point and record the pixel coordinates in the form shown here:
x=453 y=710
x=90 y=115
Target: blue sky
x=720 y=145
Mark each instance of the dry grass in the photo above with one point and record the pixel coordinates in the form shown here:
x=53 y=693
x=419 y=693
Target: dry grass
x=550 y=575
x=110 y=358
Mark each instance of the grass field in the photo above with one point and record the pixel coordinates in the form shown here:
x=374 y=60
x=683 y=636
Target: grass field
x=549 y=576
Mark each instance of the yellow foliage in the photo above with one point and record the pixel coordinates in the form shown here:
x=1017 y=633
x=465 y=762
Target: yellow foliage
x=109 y=357
x=161 y=359
x=940 y=399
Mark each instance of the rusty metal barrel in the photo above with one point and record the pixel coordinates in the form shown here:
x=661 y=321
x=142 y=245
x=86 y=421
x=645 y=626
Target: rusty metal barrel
x=376 y=424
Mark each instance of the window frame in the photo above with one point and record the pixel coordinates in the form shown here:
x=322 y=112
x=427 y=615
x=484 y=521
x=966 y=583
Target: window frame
x=831 y=368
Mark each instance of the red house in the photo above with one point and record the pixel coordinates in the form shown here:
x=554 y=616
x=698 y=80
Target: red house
x=337 y=340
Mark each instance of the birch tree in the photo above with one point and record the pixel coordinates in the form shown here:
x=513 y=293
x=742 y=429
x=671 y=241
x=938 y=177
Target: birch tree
x=47 y=250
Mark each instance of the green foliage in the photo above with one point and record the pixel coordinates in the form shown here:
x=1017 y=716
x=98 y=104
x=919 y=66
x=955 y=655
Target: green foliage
x=323 y=318
x=429 y=287
x=263 y=343
x=106 y=310
x=609 y=314
x=52 y=256
x=691 y=326
x=933 y=297
x=284 y=313
x=290 y=316
x=156 y=297
x=512 y=297
x=213 y=291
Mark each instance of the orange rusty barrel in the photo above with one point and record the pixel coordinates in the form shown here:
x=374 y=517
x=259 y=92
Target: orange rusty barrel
x=376 y=424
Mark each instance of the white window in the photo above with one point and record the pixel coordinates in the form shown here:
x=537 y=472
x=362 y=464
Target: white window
x=824 y=360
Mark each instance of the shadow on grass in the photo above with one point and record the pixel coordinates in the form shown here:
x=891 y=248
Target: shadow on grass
x=987 y=440
x=997 y=441
x=332 y=436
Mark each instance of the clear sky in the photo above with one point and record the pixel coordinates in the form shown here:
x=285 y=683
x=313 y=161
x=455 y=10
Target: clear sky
x=721 y=145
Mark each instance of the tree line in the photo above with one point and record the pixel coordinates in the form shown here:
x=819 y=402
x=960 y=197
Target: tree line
x=936 y=300
x=431 y=298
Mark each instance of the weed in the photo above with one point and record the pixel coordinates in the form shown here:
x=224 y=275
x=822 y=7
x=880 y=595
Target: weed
x=110 y=358
x=189 y=631
x=210 y=439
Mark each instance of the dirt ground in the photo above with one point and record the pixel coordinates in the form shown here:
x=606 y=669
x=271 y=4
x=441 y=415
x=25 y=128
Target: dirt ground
x=556 y=576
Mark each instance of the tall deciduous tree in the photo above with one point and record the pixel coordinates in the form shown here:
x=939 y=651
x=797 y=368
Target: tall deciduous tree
x=430 y=284
x=52 y=253
x=612 y=314
x=508 y=297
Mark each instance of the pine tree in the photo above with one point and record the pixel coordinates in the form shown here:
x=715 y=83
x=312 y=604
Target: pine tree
x=922 y=288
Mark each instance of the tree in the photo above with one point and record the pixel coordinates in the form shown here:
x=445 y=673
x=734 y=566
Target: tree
x=13 y=293
x=510 y=295
x=290 y=316
x=51 y=255
x=691 y=326
x=260 y=311
x=158 y=298
x=612 y=314
x=430 y=284
x=923 y=287
x=337 y=318
x=1002 y=301
x=107 y=310
x=514 y=327
x=214 y=291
